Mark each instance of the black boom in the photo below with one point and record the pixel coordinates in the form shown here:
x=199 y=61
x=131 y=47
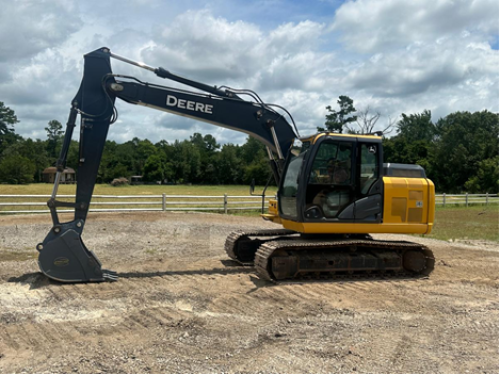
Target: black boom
x=63 y=255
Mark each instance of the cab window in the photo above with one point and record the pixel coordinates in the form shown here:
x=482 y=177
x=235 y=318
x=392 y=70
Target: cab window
x=332 y=164
x=330 y=179
x=369 y=169
x=288 y=194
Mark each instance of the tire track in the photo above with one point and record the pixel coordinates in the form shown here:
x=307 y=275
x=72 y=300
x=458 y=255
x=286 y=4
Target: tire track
x=28 y=336
x=154 y=314
x=47 y=335
x=54 y=294
x=222 y=305
x=286 y=292
x=19 y=335
x=171 y=316
x=8 y=339
x=141 y=319
x=307 y=289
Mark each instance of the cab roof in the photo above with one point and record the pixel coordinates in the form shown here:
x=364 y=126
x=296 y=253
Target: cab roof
x=314 y=138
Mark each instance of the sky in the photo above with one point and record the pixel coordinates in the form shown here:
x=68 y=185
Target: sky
x=389 y=56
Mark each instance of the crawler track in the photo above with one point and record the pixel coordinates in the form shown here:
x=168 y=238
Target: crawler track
x=241 y=247
x=299 y=258
x=283 y=254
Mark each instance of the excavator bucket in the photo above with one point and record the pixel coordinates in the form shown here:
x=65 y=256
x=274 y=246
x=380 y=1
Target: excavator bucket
x=64 y=257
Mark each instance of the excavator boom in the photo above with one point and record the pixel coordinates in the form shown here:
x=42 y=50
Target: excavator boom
x=63 y=255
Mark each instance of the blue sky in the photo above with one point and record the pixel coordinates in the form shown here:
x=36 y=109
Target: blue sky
x=390 y=56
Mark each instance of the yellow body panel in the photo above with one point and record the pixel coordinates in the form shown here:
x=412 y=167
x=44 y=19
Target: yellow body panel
x=354 y=227
x=409 y=201
x=409 y=206
x=273 y=213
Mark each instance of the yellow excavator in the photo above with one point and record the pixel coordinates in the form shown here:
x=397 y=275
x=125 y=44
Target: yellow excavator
x=333 y=189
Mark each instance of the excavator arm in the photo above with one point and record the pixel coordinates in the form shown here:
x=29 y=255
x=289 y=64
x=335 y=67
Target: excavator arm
x=63 y=255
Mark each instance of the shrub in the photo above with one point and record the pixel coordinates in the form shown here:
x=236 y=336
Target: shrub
x=119 y=181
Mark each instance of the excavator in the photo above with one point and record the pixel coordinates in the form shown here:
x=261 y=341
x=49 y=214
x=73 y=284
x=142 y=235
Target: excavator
x=333 y=189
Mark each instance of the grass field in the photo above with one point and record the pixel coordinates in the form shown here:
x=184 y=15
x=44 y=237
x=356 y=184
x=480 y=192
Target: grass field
x=452 y=222
x=466 y=223
x=106 y=189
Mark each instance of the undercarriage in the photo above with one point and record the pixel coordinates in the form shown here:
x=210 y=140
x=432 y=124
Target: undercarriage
x=283 y=254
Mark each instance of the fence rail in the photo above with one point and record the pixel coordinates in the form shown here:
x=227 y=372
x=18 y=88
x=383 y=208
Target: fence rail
x=466 y=199
x=31 y=203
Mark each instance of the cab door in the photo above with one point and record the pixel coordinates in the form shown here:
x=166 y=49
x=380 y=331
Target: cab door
x=368 y=205
x=329 y=180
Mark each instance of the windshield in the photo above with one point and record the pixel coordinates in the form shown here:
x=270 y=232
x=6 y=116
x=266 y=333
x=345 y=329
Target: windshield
x=291 y=184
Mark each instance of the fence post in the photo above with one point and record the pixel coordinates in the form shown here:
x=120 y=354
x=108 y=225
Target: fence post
x=444 y=199
x=163 y=202
x=486 y=198
x=466 y=199
x=225 y=204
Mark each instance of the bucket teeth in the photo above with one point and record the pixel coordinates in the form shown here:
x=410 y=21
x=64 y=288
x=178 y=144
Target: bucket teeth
x=109 y=275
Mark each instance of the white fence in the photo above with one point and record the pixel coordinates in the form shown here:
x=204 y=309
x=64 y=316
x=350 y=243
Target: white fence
x=466 y=199
x=15 y=204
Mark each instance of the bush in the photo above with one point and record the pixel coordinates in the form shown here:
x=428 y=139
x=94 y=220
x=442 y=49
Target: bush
x=16 y=169
x=119 y=181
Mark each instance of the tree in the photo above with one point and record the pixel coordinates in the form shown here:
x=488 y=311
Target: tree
x=464 y=146
x=143 y=151
x=206 y=146
x=366 y=120
x=211 y=144
x=16 y=169
x=153 y=169
x=486 y=178
x=7 y=119
x=32 y=150
x=253 y=155
x=229 y=165
x=413 y=143
x=252 y=151
x=417 y=126
x=54 y=135
x=336 y=120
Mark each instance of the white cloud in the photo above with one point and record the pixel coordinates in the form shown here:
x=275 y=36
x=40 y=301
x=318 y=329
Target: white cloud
x=376 y=25
x=396 y=56
x=423 y=67
x=30 y=27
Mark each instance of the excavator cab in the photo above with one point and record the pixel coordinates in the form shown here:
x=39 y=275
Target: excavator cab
x=333 y=178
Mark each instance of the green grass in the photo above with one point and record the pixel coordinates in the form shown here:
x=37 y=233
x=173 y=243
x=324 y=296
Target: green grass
x=466 y=223
x=105 y=189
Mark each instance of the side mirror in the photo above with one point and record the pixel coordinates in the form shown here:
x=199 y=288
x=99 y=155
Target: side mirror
x=252 y=186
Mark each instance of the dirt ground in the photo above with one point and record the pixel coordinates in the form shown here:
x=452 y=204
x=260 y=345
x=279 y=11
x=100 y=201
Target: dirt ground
x=181 y=306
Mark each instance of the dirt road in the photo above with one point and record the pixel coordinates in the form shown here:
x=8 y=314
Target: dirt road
x=181 y=306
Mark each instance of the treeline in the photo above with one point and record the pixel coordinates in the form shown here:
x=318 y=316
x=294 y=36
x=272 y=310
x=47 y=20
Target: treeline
x=459 y=153
x=199 y=160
